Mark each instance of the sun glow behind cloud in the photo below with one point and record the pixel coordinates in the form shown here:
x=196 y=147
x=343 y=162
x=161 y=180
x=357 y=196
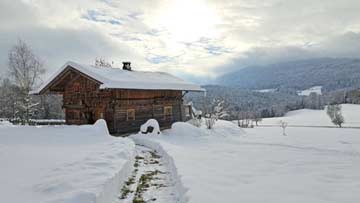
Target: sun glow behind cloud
x=189 y=35
x=187 y=20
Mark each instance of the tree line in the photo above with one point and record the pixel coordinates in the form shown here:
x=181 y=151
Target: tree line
x=249 y=107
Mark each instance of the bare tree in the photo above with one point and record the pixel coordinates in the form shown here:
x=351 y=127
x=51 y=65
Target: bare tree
x=257 y=118
x=101 y=62
x=25 y=69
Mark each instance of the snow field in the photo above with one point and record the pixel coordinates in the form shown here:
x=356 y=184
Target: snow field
x=310 y=117
x=307 y=92
x=314 y=165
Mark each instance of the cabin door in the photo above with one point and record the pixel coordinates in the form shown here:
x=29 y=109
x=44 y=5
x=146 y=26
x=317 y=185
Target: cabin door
x=99 y=113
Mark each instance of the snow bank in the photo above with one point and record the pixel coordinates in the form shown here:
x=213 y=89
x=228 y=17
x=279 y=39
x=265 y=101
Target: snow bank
x=221 y=128
x=5 y=123
x=309 y=117
x=186 y=129
x=68 y=164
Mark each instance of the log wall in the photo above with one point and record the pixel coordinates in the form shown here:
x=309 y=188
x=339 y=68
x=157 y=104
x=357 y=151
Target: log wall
x=124 y=110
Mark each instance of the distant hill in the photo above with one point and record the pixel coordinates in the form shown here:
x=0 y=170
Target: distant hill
x=330 y=73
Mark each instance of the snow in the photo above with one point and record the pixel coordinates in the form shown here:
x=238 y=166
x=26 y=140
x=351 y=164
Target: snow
x=309 y=117
x=266 y=90
x=150 y=123
x=176 y=185
x=313 y=165
x=79 y=164
x=5 y=123
x=163 y=186
x=51 y=164
x=48 y=120
x=123 y=79
x=307 y=92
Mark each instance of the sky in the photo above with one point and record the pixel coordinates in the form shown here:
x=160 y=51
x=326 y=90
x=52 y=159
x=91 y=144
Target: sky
x=194 y=39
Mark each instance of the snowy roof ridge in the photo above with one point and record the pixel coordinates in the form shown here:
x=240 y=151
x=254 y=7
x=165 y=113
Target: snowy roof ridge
x=117 y=78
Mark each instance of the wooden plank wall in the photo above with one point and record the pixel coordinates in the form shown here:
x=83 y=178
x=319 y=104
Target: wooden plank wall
x=147 y=104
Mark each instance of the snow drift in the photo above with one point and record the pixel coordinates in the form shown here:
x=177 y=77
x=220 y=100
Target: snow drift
x=68 y=164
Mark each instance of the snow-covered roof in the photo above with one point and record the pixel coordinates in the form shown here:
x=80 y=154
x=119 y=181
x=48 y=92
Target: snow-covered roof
x=117 y=78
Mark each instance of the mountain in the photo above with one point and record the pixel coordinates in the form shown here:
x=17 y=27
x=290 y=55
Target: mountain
x=330 y=73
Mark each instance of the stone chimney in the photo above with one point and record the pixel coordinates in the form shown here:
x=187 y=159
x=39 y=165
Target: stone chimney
x=127 y=65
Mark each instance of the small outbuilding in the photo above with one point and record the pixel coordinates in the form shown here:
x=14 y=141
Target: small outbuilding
x=124 y=98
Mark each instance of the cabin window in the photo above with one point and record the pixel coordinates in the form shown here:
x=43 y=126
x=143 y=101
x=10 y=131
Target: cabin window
x=73 y=114
x=168 y=112
x=76 y=114
x=130 y=115
x=76 y=87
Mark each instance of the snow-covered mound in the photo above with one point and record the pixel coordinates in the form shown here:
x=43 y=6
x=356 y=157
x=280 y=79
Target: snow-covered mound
x=221 y=128
x=150 y=123
x=307 y=92
x=51 y=164
x=309 y=117
x=4 y=123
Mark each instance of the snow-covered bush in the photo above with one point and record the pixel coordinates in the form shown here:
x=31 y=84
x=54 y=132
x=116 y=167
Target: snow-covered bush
x=283 y=125
x=182 y=129
x=150 y=127
x=196 y=122
x=210 y=122
x=5 y=122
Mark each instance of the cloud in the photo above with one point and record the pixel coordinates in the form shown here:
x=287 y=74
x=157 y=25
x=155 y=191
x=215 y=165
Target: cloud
x=56 y=45
x=345 y=45
x=196 y=39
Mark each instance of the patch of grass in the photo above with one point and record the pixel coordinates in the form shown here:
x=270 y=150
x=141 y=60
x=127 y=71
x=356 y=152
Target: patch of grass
x=124 y=192
x=157 y=185
x=144 y=184
x=138 y=200
x=152 y=161
x=130 y=181
x=154 y=155
x=139 y=157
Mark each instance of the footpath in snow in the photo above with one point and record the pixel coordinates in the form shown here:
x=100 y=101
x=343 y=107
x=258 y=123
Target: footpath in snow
x=151 y=180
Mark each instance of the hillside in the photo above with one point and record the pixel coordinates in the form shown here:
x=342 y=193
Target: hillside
x=310 y=117
x=268 y=104
x=330 y=73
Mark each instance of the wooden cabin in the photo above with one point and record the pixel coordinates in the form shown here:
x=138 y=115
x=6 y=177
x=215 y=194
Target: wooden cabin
x=124 y=98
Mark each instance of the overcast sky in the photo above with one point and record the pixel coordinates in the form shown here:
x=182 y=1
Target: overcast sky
x=189 y=38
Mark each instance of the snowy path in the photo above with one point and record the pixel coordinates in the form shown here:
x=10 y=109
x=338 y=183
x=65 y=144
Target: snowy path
x=150 y=181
